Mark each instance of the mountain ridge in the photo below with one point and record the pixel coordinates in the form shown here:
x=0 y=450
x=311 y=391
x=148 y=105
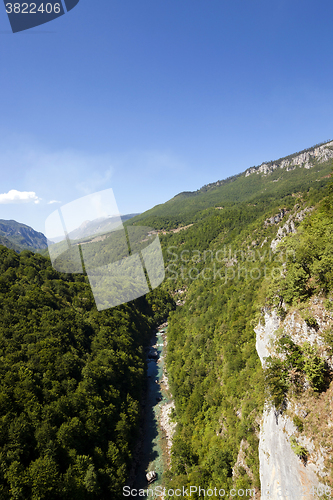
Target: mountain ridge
x=21 y=236
x=254 y=244
x=264 y=167
x=18 y=236
x=294 y=173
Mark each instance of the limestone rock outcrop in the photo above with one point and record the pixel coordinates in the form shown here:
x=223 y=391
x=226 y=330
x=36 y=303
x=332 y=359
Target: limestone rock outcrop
x=306 y=159
x=282 y=473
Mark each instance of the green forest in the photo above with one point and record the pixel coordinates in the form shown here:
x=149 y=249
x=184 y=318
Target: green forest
x=71 y=382
x=230 y=274
x=73 y=378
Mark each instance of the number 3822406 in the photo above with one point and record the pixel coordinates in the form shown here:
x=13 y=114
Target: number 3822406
x=31 y=8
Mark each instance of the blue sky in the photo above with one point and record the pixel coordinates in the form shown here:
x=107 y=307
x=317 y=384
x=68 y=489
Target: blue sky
x=154 y=97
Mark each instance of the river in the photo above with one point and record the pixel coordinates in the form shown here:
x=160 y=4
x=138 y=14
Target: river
x=154 y=454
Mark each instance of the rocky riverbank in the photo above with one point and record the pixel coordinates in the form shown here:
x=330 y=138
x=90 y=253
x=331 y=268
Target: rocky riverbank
x=152 y=451
x=168 y=426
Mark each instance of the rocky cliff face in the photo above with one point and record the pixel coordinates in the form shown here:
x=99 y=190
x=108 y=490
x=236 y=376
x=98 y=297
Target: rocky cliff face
x=282 y=473
x=306 y=159
x=289 y=227
x=265 y=335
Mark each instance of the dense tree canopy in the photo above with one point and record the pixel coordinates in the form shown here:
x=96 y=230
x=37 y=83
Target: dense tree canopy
x=72 y=377
x=71 y=381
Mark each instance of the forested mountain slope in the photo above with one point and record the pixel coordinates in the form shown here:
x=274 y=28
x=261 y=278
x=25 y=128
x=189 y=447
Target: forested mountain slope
x=71 y=381
x=72 y=377
x=225 y=270
x=20 y=236
x=299 y=366
x=296 y=172
x=9 y=244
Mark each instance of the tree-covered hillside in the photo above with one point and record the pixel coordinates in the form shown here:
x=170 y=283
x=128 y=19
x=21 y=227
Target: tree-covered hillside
x=71 y=381
x=264 y=183
x=20 y=236
x=72 y=377
x=299 y=369
x=222 y=269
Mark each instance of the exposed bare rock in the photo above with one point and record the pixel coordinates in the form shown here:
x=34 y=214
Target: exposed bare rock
x=167 y=425
x=282 y=473
x=299 y=216
x=250 y=171
x=231 y=262
x=298 y=330
x=320 y=154
x=241 y=461
x=275 y=219
x=265 y=335
x=241 y=465
x=289 y=226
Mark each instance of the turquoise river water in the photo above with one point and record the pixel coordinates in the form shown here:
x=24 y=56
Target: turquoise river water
x=154 y=451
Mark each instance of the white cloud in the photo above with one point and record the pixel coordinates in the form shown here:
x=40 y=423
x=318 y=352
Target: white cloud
x=14 y=196
x=67 y=174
